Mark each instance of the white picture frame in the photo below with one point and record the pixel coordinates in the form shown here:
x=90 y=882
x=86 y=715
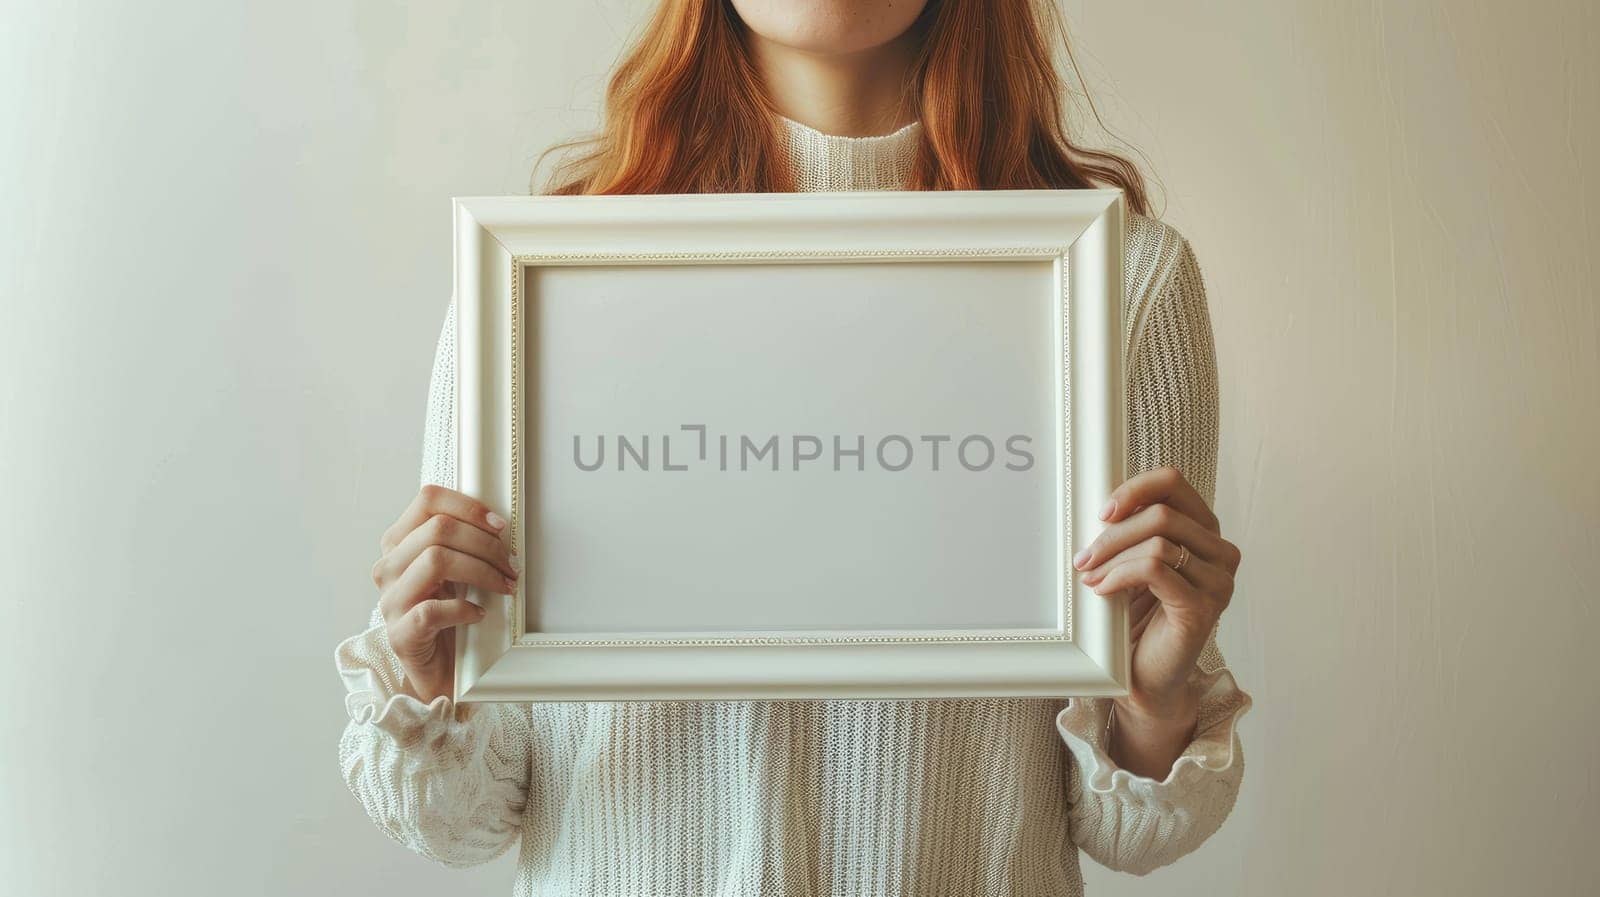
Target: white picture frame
x=557 y=257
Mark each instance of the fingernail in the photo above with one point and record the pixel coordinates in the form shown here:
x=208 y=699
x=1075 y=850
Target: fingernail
x=516 y=562
x=1080 y=558
x=1105 y=512
x=495 y=520
x=511 y=587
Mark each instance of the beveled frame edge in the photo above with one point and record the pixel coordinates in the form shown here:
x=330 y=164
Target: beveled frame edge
x=496 y=238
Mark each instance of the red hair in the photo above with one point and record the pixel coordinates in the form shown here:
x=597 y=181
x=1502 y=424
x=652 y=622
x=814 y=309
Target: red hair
x=686 y=111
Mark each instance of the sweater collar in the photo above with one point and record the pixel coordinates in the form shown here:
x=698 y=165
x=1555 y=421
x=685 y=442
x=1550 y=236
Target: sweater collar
x=829 y=162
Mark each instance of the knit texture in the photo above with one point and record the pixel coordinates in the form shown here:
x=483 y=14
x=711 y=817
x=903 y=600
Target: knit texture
x=828 y=162
x=928 y=797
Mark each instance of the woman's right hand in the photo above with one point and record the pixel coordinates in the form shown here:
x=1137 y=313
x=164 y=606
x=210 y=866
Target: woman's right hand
x=443 y=537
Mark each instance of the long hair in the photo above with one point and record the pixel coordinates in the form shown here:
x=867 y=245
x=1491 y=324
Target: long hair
x=686 y=111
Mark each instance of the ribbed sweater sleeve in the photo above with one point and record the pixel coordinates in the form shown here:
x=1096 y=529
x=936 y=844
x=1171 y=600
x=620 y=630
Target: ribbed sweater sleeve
x=1125 y=821
x=449 y=783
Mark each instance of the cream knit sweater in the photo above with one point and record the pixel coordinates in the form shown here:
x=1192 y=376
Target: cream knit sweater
x=943 y=798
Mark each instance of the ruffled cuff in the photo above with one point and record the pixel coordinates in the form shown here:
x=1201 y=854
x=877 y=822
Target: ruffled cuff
x=1209 y=756
x=377 y=692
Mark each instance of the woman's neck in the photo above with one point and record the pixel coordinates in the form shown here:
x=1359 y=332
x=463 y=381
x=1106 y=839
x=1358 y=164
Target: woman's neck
x=859 y=94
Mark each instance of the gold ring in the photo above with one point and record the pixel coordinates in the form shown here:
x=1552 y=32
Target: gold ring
x=1183 y=557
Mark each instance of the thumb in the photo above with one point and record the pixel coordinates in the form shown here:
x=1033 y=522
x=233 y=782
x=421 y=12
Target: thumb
x=434 y=615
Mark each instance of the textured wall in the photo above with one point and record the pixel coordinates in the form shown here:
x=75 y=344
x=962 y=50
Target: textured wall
x=224 y=257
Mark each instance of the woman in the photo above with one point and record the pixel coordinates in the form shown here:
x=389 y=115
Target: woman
x=951 y=796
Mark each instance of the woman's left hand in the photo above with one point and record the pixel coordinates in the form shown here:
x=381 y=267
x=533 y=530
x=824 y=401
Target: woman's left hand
x=1152 y=517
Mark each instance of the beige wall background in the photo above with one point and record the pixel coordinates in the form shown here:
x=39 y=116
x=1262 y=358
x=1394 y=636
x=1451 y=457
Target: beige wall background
x=225 y=256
